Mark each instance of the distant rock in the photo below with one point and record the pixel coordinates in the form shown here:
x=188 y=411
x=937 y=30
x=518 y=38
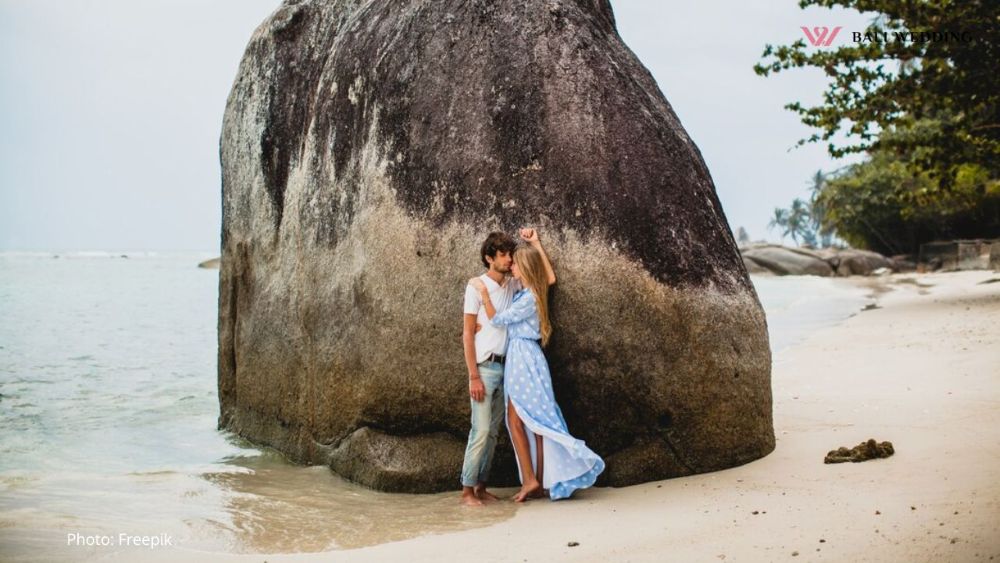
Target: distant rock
x=903 y=263
x=212 y=263
x=755 y=268
x=862 y=452
x=854 y=262
x=785 y=261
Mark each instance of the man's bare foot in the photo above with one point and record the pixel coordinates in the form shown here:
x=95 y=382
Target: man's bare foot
x=484 y=495
x=469 y=498
x=528 y=491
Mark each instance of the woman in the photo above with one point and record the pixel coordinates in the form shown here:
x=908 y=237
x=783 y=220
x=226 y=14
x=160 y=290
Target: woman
x=548 y=457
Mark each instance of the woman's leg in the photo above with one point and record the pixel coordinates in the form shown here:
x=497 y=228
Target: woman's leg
x=529 y=483
x=540 y=474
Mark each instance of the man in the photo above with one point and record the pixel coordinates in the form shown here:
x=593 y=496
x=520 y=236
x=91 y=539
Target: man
x=484 y=346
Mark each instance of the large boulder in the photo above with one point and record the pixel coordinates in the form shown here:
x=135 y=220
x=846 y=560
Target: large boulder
x=369 y=147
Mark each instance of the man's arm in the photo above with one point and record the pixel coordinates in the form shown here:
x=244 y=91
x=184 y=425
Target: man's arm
x=531 y=236
x=476 y=388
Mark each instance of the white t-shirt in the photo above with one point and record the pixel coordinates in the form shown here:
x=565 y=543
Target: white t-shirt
x=491 y=339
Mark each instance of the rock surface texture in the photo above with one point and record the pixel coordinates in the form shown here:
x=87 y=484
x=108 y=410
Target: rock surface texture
x=369 y=147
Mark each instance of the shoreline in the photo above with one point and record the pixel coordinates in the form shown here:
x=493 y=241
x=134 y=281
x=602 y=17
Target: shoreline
x=920 y=369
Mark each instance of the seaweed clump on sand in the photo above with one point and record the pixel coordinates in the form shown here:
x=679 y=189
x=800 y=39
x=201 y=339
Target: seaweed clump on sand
x=862 y=452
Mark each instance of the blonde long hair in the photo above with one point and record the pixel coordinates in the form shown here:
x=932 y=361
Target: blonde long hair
x=533 y=276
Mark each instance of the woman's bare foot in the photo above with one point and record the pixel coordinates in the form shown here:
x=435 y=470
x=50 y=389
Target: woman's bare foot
x=528 y=491
x=540 y=493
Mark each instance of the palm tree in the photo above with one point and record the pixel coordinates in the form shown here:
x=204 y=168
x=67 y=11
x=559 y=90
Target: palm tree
x=780 y=219
x=805 y=219
x=817 y=210
x=794 y=222
x=742 y=237
x=816 y=184
x=800 y=223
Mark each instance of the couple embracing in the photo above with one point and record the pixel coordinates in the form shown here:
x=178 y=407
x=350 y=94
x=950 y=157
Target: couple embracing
x=506 y=324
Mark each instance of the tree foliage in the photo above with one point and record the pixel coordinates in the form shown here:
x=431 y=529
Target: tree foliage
x=890 y=204
x=945 y=94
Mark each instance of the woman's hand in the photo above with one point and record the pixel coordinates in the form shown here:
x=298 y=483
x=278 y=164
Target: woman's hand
x=479 y=286
x=530 y=236
x=484 y=293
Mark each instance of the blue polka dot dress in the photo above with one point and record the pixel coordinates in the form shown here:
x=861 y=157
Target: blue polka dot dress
x=568 y=463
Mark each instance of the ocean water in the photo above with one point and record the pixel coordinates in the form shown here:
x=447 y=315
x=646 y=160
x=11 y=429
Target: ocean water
x=797 y=306
x=108 y=412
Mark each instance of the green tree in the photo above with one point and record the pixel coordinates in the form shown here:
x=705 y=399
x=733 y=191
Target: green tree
x=944 y=91
x=891 y=204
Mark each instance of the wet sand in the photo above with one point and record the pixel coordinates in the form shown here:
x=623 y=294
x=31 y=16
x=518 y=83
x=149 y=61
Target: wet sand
x=257 y=504
x=920 y=369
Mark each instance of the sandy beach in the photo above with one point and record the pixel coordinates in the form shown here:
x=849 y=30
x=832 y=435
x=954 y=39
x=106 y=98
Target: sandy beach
x=920 y=369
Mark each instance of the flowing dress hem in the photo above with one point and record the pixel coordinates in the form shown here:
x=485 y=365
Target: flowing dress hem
x=565 y=488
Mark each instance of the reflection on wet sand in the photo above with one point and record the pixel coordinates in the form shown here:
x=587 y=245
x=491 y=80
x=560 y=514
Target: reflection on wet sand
x=276 y=507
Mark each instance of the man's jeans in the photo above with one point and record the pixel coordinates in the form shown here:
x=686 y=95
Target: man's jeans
x=486 y=417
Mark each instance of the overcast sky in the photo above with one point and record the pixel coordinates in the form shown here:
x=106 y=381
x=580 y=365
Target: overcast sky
x=110 y=111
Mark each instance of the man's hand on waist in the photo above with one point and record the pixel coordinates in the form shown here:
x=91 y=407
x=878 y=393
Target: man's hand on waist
x=476 y=388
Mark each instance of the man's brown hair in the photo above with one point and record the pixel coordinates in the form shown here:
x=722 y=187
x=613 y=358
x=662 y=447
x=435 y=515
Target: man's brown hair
x=496 y=241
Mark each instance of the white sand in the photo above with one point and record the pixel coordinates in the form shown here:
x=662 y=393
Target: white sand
x=922 y=371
